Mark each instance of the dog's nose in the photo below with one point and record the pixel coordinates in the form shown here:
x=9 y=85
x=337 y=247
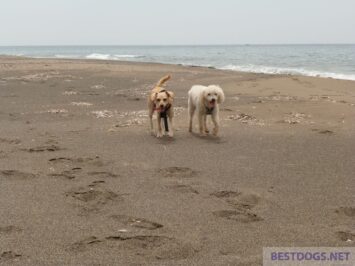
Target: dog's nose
x=213 y=100
x=162 y=105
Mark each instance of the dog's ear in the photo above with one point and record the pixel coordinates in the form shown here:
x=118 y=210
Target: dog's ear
x=170 y=94
x=203 y=98
x=153 y=96
x=221 y=97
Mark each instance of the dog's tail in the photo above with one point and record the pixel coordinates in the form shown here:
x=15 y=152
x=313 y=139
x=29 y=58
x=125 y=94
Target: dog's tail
x=163 y=80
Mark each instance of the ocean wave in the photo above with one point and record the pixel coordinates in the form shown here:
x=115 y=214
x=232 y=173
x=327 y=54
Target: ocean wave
x=98 y=56
x=287 y=71
x=65 y=56
x=128 y=56
x=111 y=57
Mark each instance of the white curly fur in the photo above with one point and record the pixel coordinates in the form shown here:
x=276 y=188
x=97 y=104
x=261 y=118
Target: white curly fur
x=202 y=98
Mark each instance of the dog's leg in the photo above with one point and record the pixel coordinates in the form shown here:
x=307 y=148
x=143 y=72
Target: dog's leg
x=150 y=115
x=215 y=120
x=201 y=124
x=151 y=122
x=171 y=127
x=205 y=124
x=160 y=130
x=191 y=114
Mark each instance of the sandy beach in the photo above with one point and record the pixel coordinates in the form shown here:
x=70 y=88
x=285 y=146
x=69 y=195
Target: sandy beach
x=84 y=183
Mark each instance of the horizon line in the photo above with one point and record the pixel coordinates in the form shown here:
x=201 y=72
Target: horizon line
x=235 y=44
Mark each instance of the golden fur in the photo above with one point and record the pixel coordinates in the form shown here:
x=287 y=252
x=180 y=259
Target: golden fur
x=158 y=100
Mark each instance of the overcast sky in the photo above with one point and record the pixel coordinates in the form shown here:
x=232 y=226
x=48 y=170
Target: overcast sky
x=109 y=22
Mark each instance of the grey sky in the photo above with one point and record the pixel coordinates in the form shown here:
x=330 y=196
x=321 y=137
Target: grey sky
x=78 y=22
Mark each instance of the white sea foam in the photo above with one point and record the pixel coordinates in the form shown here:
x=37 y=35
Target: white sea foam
x=128 y=56
x=287 y=71
x=111 y=57
x=66 y=56
x=99 y=56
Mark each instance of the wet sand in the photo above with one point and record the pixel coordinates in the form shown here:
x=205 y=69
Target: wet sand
x=84 y=183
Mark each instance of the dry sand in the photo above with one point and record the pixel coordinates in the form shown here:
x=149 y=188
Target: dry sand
x=84 y=183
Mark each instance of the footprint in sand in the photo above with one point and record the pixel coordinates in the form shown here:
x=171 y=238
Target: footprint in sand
x=9 y=255
x=49 y=148
x=242 y=202
x=92 y=197
x=156 y=246
x=76 y=165
x=239 y=200
x=181 y=188
x=242 y=216
x=68 y=174
x=225 y=194
x=347 y=211
x=346 y=236
x=16 y=175
x=81 y=160
x=82 y=245
x=136 y=222
x=177 y=172
x=10 y=141
x=89 y=93
x=141 y=241
x=103 y=174
x=159 y=247
x=3 y=155
x=324 y=132
x=9 y=229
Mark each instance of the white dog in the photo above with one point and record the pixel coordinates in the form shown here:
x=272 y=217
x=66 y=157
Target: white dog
x=206 y=101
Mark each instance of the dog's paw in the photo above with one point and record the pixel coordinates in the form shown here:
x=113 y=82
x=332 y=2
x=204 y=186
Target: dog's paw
x=171 y=134
x=207 y=131
x=159 y=135
x=215 y=132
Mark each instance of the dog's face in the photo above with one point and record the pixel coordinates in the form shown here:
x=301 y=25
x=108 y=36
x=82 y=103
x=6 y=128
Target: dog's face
x=162 y=100
x=213 y=95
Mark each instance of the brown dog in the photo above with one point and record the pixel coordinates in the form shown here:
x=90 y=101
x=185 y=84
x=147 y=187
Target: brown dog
x=161 y=100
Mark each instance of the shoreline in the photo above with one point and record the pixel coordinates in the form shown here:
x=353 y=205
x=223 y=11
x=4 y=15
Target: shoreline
x=329 y=75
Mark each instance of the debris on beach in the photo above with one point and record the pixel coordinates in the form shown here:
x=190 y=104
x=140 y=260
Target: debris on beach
x=140 y=92
x=278 y=98
x=70 y=93
x=140 y=113
x=246 y=119
x=57 y=111
x=102 y=113
x=39 y=76
x=81 y=104
x=98 y=87
x=296 y=118
x=131 y=122
x=322 y=98
x=178 y=110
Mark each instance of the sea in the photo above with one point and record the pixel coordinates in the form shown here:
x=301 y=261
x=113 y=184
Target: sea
x=329 y=61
